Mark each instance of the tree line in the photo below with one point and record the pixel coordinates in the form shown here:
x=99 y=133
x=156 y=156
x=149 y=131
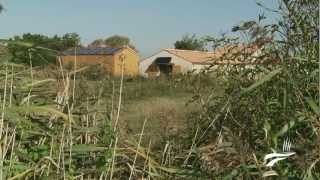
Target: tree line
x=51 y=46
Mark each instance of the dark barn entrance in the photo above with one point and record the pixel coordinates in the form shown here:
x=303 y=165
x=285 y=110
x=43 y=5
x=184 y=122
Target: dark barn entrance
x=165 y=66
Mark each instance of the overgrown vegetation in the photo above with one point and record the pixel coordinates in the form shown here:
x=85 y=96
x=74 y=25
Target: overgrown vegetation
x=254 y=117
x=218 y=124
x=40 y=56
x=113 y=41
x=190 y=42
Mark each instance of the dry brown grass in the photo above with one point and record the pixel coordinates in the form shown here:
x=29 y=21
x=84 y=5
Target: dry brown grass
x=167 y=119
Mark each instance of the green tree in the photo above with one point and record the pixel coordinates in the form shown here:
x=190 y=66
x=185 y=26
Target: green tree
x=97 y=43
x=41 y=49
x=70 y=40
x=117 y=41
x=113 y=41
x=190 y=43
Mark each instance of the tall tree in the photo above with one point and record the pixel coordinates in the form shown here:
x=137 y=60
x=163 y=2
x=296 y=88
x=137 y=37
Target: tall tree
x=97 y=43
x=70 y=40
x=117 y=41
x=113 y=41
x=190 y=43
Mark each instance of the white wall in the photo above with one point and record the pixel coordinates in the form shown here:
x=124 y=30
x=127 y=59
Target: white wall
x=198 y=67
x=144 y=64
x=186 y=66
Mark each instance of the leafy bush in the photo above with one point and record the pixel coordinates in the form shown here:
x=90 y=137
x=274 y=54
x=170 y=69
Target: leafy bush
x=65 y=129
x=263 y=106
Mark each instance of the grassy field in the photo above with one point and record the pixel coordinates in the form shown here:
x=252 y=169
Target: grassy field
x=167 y=128
x=164 y=103
x=57 y=117
x=222 y=123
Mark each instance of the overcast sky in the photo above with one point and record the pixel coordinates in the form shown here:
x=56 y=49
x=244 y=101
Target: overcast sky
x=151 y=24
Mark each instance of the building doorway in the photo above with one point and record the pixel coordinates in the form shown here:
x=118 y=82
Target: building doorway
x=165 y=66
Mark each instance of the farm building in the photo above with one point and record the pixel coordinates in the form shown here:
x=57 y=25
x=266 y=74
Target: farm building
x=111 y=59
x=175 y=61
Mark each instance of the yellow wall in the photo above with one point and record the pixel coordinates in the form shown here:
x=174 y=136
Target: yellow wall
x=131 y=62
x=111 y=63
x=85 y=60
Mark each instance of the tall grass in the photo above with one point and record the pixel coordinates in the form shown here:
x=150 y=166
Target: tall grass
x=49 y=133
x=266 y=104
x=64 y=124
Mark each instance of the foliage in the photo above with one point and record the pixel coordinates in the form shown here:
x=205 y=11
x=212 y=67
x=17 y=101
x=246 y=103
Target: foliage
x=117 y=41
x=42 y=130
x=97 y=43
x=214 y=43
x=113 y=41
x=40 y=56
x=58 y=128
x=189 y=43
x=267 y=103
x=3 y=51
x=95 y=72
x=55 y=133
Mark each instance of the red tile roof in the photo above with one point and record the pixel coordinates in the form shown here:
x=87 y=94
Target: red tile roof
x=225 y=55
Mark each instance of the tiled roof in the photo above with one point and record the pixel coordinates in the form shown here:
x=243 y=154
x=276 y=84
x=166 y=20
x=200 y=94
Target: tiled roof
x=92 y=51
x=219 y=56
x=192 y=56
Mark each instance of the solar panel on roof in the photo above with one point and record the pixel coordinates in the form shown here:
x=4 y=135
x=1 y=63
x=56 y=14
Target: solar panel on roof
x=92 y=51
